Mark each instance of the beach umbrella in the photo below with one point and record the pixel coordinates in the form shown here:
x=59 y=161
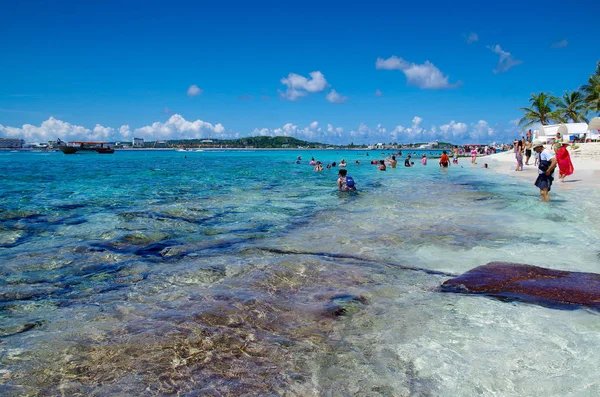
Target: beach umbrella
x=594 y=124
x=563 y=130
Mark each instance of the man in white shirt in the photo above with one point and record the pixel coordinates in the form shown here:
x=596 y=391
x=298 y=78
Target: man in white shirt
x=546 y=165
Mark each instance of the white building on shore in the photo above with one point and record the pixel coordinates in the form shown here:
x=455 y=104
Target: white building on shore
x=138 y=142
x=11 y=143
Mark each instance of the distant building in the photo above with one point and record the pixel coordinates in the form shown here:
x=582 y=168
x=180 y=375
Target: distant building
x=138 y=142
x=11 y=143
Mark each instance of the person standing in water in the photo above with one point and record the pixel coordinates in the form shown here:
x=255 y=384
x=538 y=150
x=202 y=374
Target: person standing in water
x=546 y=164
x=444 y=160
x=393 y=162
x=424 y=159
x=455 y=155
x=345 y=182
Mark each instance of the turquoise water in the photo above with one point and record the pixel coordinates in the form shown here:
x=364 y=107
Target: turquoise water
x=218 y=273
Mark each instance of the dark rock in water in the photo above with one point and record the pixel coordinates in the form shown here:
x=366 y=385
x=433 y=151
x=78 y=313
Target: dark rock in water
x=531 y=284
x=157 y=249
x=344 y=304
x=74 y=221
x=70 y=206
x=19 y=329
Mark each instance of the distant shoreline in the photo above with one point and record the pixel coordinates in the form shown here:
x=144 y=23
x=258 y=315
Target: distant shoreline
x=233 y=149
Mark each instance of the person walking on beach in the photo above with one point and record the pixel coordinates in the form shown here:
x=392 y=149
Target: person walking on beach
x=557 y=142
x=528 y=148
x=565 y=166
x=345 y=182
x=546 y=164
x=444 y=160
x=519 y=155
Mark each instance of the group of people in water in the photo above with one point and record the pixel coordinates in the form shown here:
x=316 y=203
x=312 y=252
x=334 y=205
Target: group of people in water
x=346 y=183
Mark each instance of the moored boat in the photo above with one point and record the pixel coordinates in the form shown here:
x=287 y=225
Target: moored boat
x=86 y=147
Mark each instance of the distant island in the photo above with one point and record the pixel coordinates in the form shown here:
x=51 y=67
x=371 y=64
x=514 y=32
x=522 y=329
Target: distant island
x=278 y=142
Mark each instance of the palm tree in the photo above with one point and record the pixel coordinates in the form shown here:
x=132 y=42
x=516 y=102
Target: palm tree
x=540 y=111
x=572 y=107
x=591 y=90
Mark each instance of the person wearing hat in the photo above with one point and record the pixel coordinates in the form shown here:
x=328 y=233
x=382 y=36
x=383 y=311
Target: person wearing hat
x=547 y=163
x=563 y=159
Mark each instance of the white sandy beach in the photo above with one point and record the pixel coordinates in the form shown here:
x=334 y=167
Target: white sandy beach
x=586 y=161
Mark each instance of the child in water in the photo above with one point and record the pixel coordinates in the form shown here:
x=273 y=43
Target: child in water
x=344 y=182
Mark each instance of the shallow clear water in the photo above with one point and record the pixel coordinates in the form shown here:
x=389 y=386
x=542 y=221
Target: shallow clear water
x=217 y=273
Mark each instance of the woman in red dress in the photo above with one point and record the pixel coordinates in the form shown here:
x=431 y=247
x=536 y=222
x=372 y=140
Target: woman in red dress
x=563 y=159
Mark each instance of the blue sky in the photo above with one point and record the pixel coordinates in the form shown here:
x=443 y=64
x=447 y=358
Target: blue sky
x=335 y=72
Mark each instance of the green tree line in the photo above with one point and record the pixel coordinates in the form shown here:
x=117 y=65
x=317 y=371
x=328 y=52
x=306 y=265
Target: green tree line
x=573 y=106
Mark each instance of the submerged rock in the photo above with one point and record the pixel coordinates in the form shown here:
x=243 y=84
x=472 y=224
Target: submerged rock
x=19 y=329
x=531 y=284
x=344 y=304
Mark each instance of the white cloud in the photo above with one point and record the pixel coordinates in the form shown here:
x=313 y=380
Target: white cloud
x=299 y=86
x=453 y=130
x=311 y=133
x=481 y=132
x=49 y=130
x=378 y=93
x=334 y=97
x=506 y=60
x=179 y=128
x=124 y=132
x=176 y=127
x=425 y=76
x=337 y=130
x=101 y=133
x=194 y=90
x=560 y=44
x=471 y=38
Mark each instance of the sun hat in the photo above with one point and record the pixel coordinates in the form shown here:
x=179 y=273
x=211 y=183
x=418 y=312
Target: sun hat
x=565 y=141
x=537 y=143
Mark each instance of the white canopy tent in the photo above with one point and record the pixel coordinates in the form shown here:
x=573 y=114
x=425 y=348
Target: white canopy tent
x=547 y=133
